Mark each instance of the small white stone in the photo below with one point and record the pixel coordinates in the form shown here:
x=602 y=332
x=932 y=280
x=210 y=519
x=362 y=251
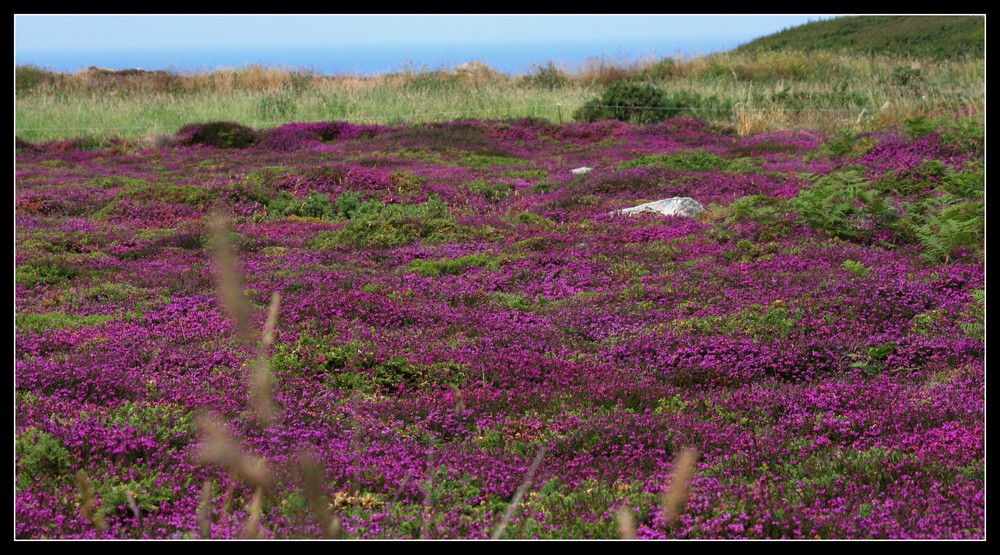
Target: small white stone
x=579 y=171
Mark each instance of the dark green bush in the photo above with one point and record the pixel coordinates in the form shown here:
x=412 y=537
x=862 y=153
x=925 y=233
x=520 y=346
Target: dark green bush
x=348 y=204
x=640 y=103
x=220 y=134
x=316 y=205
x=120 y=498
x=635 y=103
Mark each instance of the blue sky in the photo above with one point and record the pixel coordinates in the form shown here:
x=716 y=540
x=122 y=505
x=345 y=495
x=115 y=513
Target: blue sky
x=45 y=32
x=38 y=37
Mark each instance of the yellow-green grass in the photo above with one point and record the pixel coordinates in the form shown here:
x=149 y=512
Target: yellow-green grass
x=750 y=92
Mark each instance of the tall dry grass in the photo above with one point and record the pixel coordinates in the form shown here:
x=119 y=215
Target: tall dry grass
x=772 y=90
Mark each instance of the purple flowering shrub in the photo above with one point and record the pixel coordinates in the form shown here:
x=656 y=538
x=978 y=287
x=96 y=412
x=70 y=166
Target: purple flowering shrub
x=454 y=301
x=296 y=136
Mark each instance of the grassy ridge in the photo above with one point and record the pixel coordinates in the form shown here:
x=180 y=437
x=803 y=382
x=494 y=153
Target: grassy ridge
x=937 y=37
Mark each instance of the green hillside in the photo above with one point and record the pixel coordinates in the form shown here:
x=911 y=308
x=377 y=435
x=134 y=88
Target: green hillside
x=938 y=37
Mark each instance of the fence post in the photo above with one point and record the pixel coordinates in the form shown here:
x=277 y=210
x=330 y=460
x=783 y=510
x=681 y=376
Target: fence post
x=559 y=107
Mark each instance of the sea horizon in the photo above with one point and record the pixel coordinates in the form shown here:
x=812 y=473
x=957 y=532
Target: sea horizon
x=513 y=59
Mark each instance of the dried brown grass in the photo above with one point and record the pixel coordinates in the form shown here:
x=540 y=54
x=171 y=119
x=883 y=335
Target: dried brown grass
x=680 y=483
x=87 y=499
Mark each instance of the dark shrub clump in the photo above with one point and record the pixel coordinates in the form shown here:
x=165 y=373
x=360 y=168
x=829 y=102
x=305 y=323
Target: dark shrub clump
x=221 y=134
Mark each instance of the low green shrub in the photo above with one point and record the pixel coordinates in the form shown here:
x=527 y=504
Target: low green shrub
x=692 y=161
x=40 y=456
x=373 y=224
x=316 y=205
x=641 y=103
x=220 y=134
x=490 y=190
x=39 y=322
x=450 y=266
x=636 y=103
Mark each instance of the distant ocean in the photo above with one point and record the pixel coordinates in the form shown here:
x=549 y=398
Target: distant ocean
x=513 y=59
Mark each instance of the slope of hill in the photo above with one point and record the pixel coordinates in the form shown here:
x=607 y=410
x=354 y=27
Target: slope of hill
x=938 y=37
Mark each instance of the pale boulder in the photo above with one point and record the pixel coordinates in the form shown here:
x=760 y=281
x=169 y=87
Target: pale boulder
x=676 y=206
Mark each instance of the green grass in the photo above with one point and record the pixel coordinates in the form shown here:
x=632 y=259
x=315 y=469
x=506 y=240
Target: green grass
x=938 y=37
x=51 y=115
x=755 y=89
x=40 y=322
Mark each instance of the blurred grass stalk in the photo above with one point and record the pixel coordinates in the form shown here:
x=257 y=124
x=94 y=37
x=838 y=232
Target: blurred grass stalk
x=87 y=499
x=676 y=495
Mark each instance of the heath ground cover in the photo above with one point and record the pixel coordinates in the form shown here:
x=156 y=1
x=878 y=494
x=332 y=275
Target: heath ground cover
x=439 y=331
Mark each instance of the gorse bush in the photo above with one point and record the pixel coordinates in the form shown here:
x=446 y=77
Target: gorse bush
x=636 y=103
x=48 y=270
x=221 y=134
x=641 y=103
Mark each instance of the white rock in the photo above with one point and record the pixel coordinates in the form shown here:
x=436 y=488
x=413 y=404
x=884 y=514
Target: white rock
x=579 y=171
x=677 y=206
